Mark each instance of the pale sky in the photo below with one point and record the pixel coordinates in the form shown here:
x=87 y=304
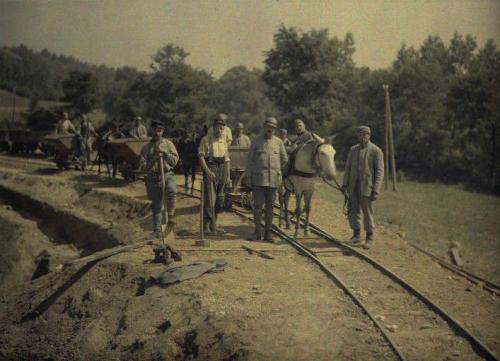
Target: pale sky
x=220 y=34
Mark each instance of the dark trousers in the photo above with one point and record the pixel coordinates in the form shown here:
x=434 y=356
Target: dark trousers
x=155 y=195
x=214 y=188
x=264 y=196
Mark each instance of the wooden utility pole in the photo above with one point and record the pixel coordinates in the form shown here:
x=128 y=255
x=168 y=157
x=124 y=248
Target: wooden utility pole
x=386 y=155
x=391 y=138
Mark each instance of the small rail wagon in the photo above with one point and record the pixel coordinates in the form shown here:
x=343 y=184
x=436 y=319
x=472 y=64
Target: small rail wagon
x=127 y=153
x=65 y=147
x=238 y=190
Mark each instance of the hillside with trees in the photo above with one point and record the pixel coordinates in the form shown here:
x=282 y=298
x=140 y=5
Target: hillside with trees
x=445 y=96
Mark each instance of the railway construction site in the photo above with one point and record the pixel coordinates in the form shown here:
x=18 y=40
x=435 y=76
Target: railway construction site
x=66 y=296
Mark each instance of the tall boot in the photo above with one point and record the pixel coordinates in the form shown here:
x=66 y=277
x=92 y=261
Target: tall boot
x=257 y=221
x=157 y=225
x=268 y=234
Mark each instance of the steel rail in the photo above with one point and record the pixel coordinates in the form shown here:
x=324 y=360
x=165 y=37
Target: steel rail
x=309 y=253
x=480 y=348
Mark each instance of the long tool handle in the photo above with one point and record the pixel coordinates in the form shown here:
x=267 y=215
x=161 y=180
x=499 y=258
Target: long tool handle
x=202 y=205
x=163 y=191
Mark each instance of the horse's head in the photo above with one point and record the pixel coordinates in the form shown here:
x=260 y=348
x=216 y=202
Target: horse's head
x=324 y=159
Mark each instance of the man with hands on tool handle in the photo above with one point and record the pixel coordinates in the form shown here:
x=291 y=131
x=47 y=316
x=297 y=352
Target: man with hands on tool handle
x=266 y=160
x=157 y=150
x=363 y=176
x=213 y=156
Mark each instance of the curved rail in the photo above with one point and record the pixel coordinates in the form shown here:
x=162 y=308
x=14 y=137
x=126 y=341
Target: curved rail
x=480 y=348
x=309 y=253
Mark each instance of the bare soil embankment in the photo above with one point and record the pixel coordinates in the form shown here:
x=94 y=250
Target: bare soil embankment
x=257 y=309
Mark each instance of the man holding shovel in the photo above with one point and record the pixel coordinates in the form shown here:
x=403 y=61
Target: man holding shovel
x=159 y=158
x=213 y=156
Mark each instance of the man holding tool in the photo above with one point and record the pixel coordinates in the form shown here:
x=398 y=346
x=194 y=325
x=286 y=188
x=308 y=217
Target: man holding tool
x=159 y=158
x=213 y=156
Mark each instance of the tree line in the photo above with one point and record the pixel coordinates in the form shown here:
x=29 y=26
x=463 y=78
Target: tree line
x=445 y=96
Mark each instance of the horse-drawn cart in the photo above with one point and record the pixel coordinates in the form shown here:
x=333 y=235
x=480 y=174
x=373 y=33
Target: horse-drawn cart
x=66 y=151
x=127 y=152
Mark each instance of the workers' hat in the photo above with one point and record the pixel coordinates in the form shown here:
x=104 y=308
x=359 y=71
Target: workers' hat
x=364 y=129
x=157 y=124
x=271 y=121
x=239 y=125
x=283 y=131
x=220 y=119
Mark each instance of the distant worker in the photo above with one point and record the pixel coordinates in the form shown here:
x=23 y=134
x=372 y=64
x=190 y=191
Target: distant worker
x=240 y=139
x=150 y=161
x=364 y=172
x=65 y=126
x=213 y=156
x=139 y=131
x=303 y=135
x=227 y=135
x=88 y=134
x=283 y=135
x=266 y=159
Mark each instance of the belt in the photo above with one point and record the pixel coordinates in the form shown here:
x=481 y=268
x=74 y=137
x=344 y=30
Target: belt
x=302 y=174
x=215 y=160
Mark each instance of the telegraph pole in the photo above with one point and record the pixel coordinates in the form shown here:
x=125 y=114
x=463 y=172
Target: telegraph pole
x=389 y=134
x=386 y=154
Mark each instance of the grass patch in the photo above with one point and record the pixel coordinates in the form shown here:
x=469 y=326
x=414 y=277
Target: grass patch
x=433 y=215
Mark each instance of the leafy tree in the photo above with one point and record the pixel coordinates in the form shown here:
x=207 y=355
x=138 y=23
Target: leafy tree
x=80 y=90
x=310 y=76
x=241 y=93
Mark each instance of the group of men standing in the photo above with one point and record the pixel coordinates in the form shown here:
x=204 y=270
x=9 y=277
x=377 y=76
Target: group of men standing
x=266 y=161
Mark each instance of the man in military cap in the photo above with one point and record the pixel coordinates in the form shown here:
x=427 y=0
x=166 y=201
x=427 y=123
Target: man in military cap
x=266 y=159
x=303 y=135
x=364 y=172
x=240 y=139
x=213 y=156
x=139 y=131
x=160 y=148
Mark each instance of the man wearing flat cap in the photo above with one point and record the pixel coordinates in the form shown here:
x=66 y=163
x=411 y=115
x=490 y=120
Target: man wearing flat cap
x=213 y=156
x=266 y=159
x=227 y=135
x=364 y=172
x=160 y=148
x=240 y=139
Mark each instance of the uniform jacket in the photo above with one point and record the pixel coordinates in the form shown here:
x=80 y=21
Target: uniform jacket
x=266 y=159
x=139 y=132
x=365 y=165
x=242 y=141
x=149 y=157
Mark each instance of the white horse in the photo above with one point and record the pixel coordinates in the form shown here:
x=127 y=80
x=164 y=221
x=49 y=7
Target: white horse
x=309 y=162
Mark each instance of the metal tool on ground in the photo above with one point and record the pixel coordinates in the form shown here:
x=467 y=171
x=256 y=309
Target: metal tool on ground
x=260 y=253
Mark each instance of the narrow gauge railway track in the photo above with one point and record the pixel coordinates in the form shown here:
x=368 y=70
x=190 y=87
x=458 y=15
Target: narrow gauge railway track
x=474 y=278
x=412 y=324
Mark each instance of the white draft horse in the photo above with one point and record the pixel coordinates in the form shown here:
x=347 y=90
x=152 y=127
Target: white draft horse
x=310 y=161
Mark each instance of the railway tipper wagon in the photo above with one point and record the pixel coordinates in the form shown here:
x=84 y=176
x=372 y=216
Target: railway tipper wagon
x=127 y=153
x=66 y=153
x=238 y=190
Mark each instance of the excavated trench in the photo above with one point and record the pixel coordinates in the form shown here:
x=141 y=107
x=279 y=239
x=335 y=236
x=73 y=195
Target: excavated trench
x=93 y=311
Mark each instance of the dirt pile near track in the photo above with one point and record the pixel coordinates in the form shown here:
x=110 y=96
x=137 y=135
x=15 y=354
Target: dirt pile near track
x=257 y=309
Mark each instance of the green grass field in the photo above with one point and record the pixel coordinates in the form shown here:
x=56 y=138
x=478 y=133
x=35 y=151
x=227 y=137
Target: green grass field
x=433 y=215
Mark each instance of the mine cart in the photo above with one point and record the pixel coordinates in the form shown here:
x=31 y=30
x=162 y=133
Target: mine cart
x=66 y=150
x=238 y=191
x=26 y=141
x=127 y=152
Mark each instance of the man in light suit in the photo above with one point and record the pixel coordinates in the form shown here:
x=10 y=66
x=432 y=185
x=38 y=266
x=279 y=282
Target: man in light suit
x=364 y=173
